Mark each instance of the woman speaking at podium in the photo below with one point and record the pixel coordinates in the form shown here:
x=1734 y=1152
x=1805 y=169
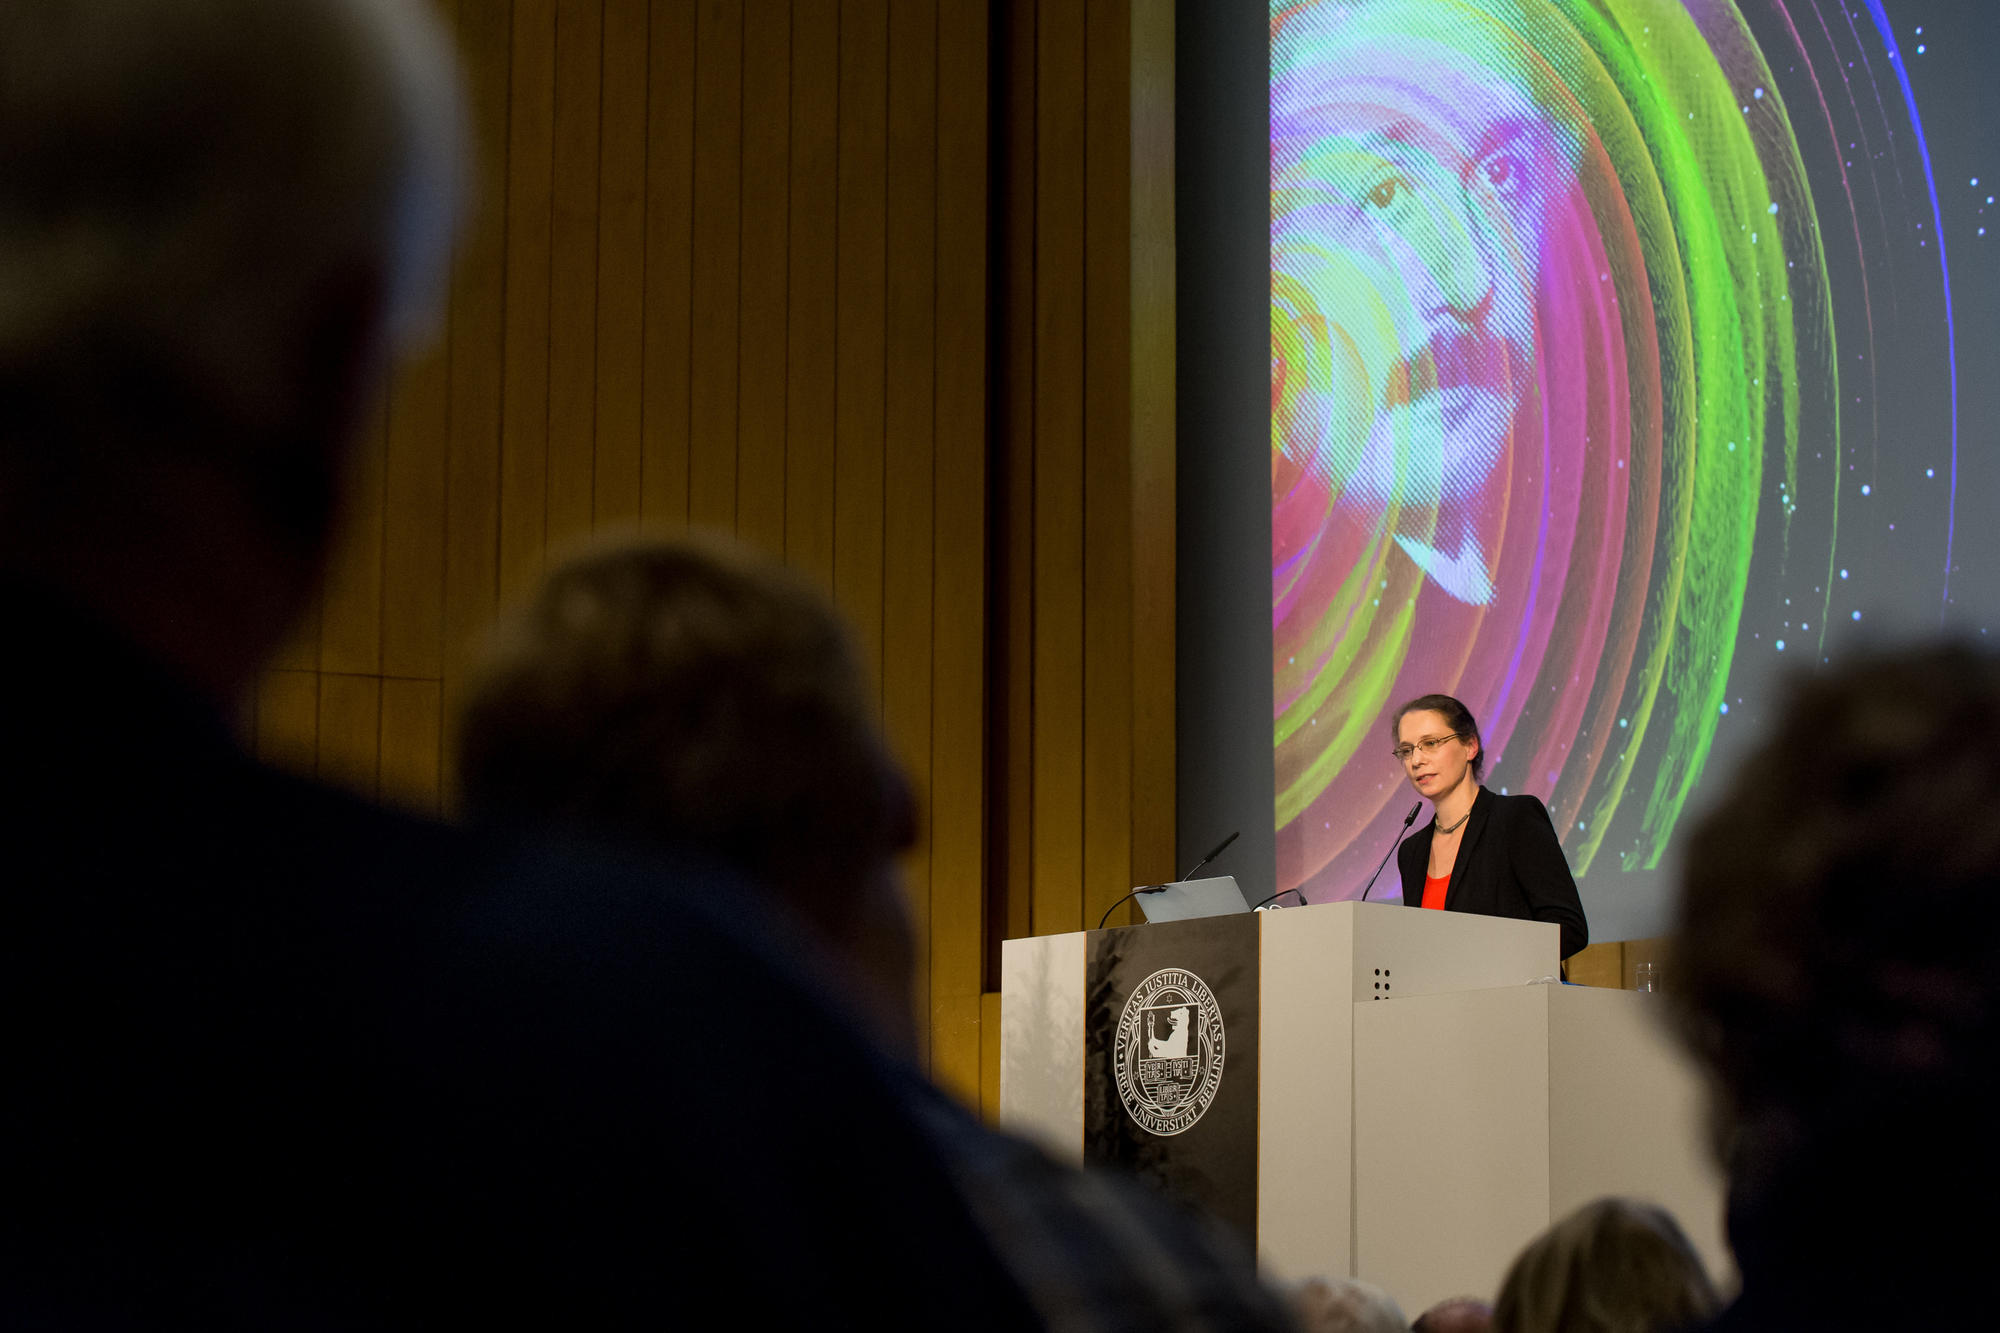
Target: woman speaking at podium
x=1494 y=855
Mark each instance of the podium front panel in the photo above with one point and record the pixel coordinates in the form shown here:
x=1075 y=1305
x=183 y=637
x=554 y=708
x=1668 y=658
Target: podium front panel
x=1171 y=1041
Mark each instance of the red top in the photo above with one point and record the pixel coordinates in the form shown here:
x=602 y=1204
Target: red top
x=1434 y=887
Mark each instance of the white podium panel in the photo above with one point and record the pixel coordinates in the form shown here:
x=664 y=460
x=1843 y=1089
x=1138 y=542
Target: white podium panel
x=1480 y=1117
x=1420 y=1109
x=1042 y=1041
x=1313 y=959
x=1313 y=963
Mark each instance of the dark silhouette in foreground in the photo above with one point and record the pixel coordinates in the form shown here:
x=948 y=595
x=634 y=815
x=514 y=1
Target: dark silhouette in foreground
x=1839 y=956
x=277 y=1059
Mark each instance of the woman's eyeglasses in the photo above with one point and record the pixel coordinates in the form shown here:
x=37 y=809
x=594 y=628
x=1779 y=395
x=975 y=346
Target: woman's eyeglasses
x=1404 y=753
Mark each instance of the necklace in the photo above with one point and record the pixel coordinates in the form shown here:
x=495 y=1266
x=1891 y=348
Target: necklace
x=1444 y=832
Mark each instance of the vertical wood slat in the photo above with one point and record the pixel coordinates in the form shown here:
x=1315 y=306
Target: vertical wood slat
x=524 y=400
x=1014 y=564
x=573 y=227
x=856 y=280
x=288 y=719
x=412 y=744
x=860 y=259
x=1107 y=461
x=350 y=635
x=413 y=517
x=300 y=649
x=1060 y=99
x=810 y=306
x=989 y=1057
x=476 y=341
x=909 y=417
x=1600 y=964
x=477 y=351
x=350 y=731
x=958 y=792
x=766 y=273
x=1655 y=951
x=663 y=478
x=1154 y=311
x=621 y=267
x=718 y=173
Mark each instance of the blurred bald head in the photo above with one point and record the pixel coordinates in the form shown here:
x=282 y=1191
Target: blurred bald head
x=217 y=217
x=1461 y=1314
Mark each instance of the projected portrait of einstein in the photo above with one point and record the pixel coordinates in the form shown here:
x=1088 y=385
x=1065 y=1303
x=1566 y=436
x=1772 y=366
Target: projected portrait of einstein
x=1548 y=327
x=1413 y=163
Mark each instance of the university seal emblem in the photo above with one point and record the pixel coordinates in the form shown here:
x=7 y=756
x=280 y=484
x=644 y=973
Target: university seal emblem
x=1168 y=1052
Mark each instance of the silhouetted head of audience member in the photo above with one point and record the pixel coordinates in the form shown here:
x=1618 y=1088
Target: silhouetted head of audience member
x=1346 y=1305
x=1612 y=1266
x=1839 y=972
x=216 y=216
x=691 y=694
x=1460 y=1314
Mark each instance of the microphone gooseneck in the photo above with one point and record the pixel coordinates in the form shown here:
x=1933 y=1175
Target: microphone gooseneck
x=1146 y=888
x=1279 y=894
x=1408 y=820
x=1220 y=847
x=1214 y=852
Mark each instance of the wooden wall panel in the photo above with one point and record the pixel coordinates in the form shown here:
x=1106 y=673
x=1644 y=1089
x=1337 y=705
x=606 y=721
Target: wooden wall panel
x=1010 y=913
x=350 y=731
x=1601 y=964
x=958 y=788
x=909 y=423
x=350 y=634
x=718 y=208
x=766 y=231
x=989 y=1057
x=1083 y=561
x=860 y=258
x=300 y=650
x=669 y=265
x=412 y=744
x=476 y=339
x=1612 y=963
x=1058 y=368
x=810 y=362
x=579 y=92
x=802 y=269
x=413 y=518
x=619 y=413
x=1107 y=459
x=288 y=719
x=524 y=397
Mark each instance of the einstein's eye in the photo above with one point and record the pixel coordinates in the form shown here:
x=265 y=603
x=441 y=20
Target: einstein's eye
x=1384 y=194
x=1504 y=174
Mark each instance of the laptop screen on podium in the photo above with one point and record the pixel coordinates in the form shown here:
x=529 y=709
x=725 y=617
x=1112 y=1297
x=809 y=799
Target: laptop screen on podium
x=1191 y=898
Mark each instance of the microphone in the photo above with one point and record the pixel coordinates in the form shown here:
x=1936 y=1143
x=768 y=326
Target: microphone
x=1279 y=894
x=1161 y=888
x=1220 y=847
x=1408 y=820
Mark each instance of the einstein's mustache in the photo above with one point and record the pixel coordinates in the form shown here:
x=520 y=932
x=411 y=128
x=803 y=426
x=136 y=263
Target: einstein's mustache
x=1454 y=359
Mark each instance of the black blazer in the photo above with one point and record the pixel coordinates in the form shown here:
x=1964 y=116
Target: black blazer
x=1509 y=864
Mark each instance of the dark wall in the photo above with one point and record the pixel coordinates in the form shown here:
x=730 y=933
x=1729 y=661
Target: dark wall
x=1223 y=128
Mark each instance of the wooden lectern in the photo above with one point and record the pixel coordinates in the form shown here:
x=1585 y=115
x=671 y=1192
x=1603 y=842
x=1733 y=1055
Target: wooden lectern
x=1364 y=1088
